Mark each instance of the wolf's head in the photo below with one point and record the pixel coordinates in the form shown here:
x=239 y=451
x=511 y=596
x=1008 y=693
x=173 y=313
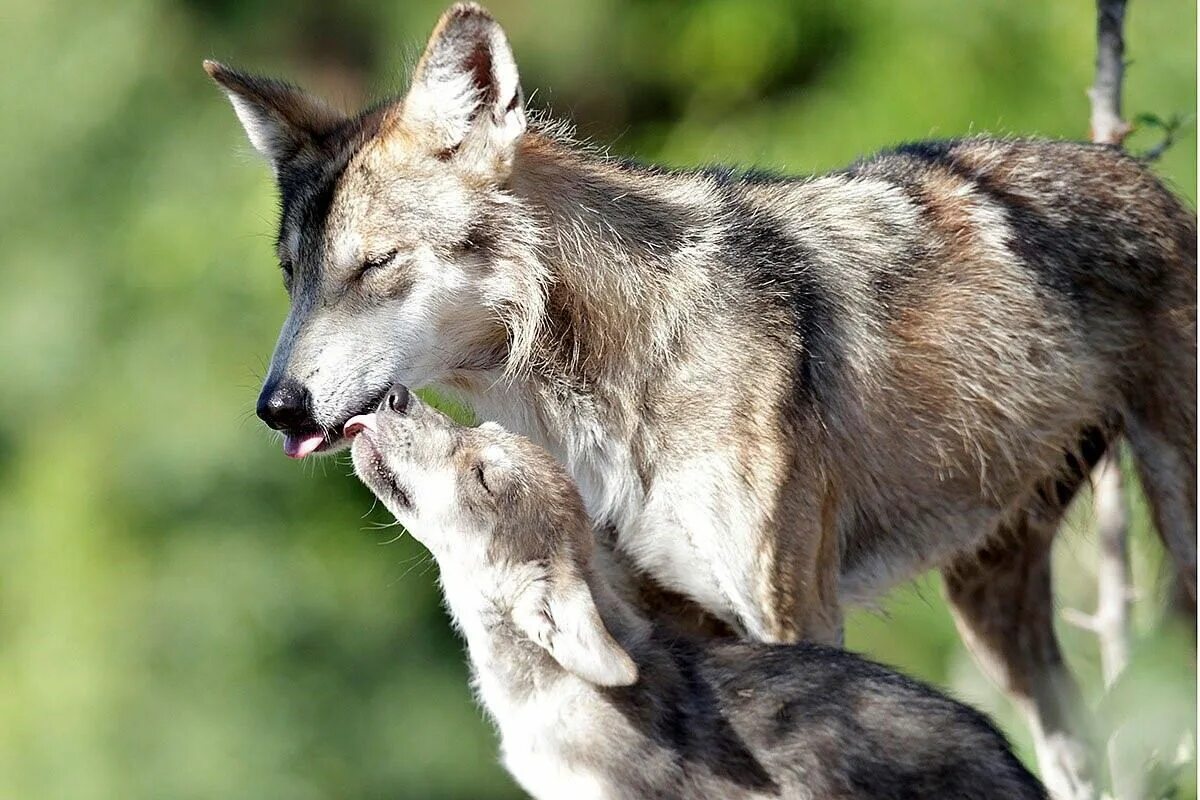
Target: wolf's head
x=397 y=239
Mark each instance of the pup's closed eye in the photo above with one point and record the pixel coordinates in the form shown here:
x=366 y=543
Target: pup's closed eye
x=481 y=476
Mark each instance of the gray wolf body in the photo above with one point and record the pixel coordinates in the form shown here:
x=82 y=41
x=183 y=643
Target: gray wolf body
x=783 y=395
x=594 y=700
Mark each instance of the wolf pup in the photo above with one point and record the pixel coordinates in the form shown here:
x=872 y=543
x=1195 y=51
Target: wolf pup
x=594 y=700
x=784 y=394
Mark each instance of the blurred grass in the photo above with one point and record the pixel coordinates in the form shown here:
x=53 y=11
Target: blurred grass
x=185 y=614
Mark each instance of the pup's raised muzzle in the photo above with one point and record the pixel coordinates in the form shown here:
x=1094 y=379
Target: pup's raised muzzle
x=398 y=400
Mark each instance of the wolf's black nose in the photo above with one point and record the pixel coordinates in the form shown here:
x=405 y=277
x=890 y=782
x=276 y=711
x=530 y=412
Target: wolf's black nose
x=286 y=405
x=397 y=398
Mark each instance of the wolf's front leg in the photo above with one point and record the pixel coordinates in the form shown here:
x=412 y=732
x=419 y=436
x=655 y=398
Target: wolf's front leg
x=800 y=565
x=763 y=558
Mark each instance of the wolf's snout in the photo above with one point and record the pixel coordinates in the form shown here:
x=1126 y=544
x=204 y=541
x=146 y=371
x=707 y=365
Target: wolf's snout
x=397 y=399
x=286 y=406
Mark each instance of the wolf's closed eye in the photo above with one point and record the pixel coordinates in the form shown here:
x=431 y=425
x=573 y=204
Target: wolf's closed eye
x=375 y=262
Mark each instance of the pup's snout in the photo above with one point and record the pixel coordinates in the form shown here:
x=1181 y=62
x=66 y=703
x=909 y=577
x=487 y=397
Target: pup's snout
x=397 y=399
x=356 y=425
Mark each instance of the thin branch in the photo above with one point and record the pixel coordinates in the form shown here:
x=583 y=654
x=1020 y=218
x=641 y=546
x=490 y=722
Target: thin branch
x=1170 y=129
x=1155 y=153
x=1114 y=589
x=1114 y=596
x=1112 y=573
x=1114 y=581
x=1113 y=605
x=1108 y=127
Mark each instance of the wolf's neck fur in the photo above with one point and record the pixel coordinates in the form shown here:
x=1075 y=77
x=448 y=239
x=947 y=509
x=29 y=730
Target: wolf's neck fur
x=620 y=250
x=624 y=255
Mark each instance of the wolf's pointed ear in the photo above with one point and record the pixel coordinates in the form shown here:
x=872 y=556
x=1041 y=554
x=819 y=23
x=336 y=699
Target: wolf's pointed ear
x=562 y=618
x=466 y=93
x=279 y=118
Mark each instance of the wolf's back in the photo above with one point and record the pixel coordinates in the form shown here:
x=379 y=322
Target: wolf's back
x=1092 y=222
x=872 y=250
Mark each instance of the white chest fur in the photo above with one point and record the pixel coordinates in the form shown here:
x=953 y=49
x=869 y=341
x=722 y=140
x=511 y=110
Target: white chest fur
x=536 y=747
x=601 y=464
x=693 y=525
x=548 y=732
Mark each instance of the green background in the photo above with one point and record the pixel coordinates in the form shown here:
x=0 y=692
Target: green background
x=186 y=614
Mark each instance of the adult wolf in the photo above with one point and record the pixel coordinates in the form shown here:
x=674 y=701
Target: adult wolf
x=783 y=394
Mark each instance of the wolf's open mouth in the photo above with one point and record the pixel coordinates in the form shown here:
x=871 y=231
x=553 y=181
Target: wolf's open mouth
x=303 y=443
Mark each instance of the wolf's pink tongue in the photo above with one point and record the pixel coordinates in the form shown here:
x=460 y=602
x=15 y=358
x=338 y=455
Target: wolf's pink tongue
x=300 y=446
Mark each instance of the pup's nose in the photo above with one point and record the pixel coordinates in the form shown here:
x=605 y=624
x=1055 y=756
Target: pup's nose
x=286 y=405
x=397 y=399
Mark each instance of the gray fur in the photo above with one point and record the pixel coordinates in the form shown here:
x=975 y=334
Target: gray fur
x=700 y=718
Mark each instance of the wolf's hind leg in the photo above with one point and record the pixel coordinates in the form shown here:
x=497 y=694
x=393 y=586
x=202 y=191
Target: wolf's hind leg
x=1165 y=452
x=1002 y=602
x=1160 y=418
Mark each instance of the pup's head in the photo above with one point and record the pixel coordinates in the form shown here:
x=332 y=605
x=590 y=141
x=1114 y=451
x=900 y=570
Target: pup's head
x=401 y=250
x=501 y=516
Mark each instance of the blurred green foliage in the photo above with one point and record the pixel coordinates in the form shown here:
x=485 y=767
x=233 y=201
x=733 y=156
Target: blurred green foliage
x=185 y=614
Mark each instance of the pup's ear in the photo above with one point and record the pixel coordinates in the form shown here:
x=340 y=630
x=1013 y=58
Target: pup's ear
x=279 y=118
x=466 y=94
x=563 y=620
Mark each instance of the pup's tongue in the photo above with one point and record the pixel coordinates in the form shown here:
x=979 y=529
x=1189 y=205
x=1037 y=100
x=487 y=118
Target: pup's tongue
x=301 y=445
